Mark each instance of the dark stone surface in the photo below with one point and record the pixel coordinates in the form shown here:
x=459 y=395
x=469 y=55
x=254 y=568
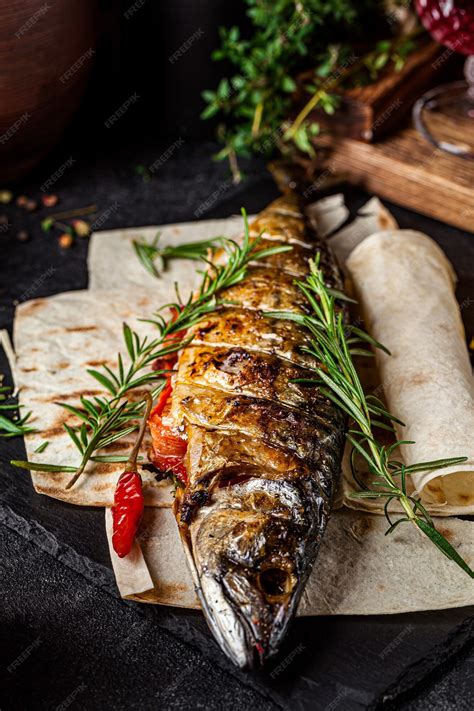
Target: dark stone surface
x=72 y=639
x=85 y=648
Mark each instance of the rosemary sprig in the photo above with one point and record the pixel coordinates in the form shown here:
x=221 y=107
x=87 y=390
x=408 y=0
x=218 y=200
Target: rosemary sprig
x=106 y=420
x=215 y=279
x=11 y=424
x=331 y=344
x=155 y=258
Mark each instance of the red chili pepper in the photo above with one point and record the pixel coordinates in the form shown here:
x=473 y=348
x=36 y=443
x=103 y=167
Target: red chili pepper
x=127 y=510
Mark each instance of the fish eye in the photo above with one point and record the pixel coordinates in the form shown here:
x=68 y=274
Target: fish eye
x=274 y=582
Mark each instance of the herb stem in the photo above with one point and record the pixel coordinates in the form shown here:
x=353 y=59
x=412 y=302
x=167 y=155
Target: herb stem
x=77 y=474
x=315 y=99
x=257 y=119
x=337 y=81
x=132 y=460
x=89 y=210
x=234 y=167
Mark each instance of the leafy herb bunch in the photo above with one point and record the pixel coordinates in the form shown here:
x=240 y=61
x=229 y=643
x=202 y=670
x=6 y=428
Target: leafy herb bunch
x=327 y=37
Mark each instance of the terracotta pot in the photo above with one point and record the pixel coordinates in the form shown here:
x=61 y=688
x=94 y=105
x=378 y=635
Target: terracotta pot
x=47 y=50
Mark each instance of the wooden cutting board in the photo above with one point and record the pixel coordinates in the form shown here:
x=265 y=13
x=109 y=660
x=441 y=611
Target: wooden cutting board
x=409 y=171
x=377 y=109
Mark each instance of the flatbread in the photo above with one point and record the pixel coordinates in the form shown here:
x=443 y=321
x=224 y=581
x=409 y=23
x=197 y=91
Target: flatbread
x=57 y=339
x=372 y=217
x=359 y=570
x=115 y=247
x=405 y=286
x=328 y=214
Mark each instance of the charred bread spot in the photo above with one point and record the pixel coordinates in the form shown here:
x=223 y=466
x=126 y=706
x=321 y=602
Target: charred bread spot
x=80 y=329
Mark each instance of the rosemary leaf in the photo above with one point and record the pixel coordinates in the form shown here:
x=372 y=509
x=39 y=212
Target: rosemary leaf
x=14 y=428
x=436 y=464
x=444 y=545
x=41 y=447
x=151 y=254
x=12 y=425
x=104 y=381
x=39 y=467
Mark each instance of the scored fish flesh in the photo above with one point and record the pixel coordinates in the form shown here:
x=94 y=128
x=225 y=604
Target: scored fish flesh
x=263 y=452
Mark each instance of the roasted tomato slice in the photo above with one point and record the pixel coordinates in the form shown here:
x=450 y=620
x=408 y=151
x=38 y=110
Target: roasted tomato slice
x=167 y=362
x=169 y=449
x=162 y=401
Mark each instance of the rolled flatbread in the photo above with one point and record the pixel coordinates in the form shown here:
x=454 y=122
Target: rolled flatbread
x=405 y=286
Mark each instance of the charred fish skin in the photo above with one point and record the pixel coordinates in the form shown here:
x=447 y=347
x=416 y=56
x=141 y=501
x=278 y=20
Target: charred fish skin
x=237 y=370
x=237 y=327
x=264 y=452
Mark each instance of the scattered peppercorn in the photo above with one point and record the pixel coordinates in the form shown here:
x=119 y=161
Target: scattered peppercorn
x=81 y=228
x=23 y=236
x=49 y=200
x=66 y=240
x=6 y=196
x=31 y=205
x=47 y=224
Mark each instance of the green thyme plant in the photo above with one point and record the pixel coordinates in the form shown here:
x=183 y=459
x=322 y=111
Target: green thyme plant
x=340 y=42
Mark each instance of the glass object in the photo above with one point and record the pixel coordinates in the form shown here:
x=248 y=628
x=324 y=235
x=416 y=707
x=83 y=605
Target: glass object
x=451 y=23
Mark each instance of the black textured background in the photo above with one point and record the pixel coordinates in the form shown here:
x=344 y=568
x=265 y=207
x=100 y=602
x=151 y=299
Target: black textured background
x=67 y=640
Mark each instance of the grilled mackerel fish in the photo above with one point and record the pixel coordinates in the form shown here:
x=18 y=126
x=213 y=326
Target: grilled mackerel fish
x=263 y=452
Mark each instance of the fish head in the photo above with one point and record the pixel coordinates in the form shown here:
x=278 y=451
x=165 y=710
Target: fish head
x=252 y=547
